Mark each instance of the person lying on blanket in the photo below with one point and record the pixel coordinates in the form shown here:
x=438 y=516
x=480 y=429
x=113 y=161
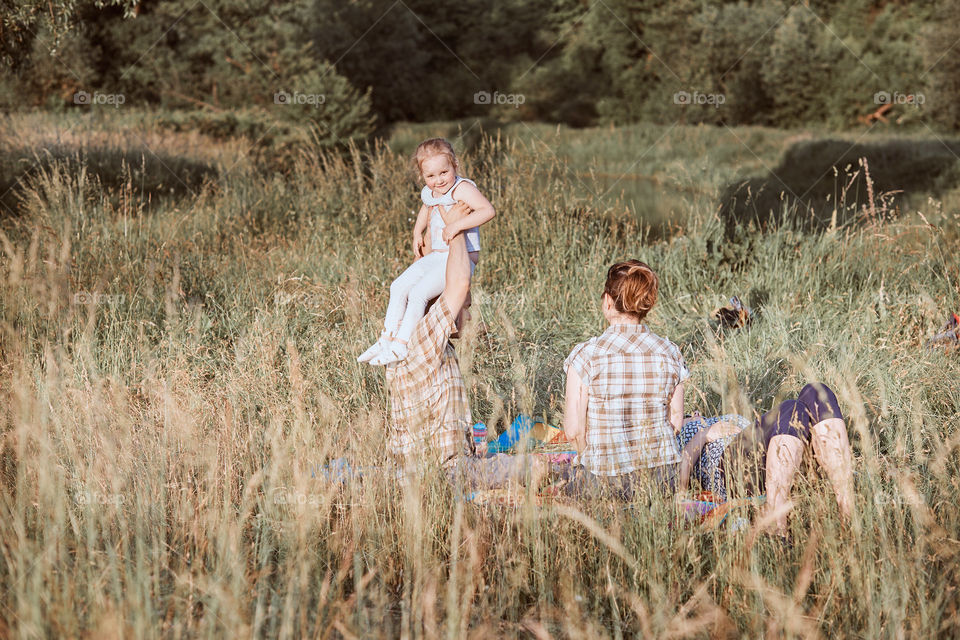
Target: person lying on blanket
x=733 y=457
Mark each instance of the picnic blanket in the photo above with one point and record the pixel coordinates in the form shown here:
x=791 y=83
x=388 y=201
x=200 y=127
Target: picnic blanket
x=524 y=433
x=704 y=510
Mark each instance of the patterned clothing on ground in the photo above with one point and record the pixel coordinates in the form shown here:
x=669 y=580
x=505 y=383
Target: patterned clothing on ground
x=708 y=470
x=429 y=411
x=630 y=375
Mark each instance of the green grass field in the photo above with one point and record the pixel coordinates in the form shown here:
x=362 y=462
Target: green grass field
x=176 y=365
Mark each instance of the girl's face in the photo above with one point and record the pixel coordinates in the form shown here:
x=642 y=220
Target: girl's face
x=438 y=172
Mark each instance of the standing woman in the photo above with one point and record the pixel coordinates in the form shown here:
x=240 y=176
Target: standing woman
x=624 y=394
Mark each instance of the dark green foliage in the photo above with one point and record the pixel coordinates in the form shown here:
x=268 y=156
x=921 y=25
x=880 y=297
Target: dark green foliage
x=941 y=65
x=803 y=55
x=733 y=65
x=253 y=57
x=50 y=79
x=378 y=45
x=24 y=23
x=580 y=62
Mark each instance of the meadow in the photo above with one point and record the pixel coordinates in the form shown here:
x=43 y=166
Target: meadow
x=178 y=363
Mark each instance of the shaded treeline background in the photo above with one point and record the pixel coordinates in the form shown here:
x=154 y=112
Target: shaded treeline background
x=575 y=62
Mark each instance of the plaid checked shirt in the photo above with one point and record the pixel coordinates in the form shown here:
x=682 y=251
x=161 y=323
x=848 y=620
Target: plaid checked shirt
x=429 y=410
x=630 y=374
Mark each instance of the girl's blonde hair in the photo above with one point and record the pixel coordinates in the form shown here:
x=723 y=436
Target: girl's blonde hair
x=633 y=285
x=430 y=148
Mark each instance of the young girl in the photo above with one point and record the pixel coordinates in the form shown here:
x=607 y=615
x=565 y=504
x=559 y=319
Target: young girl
x=425 y=278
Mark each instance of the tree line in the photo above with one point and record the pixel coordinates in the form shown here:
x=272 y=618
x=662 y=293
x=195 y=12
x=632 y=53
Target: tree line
x=350 y=66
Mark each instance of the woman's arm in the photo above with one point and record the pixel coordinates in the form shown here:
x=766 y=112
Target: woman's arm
x=676 y=408
x=575 y=411
x=458 y=264
x=483 y=211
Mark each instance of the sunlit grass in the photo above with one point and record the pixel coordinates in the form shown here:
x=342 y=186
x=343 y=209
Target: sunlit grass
x=161 y=444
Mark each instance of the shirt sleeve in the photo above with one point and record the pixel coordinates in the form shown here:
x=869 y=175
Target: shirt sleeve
x=431 y=334
x=579 y=361
x=684 y=370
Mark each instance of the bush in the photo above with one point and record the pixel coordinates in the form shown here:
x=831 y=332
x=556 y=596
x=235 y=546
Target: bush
x=798 y=70
x=942 y=66
x=732 y=69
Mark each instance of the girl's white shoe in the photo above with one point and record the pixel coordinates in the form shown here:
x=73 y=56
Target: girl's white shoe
x=373 y=351
x=392 y=352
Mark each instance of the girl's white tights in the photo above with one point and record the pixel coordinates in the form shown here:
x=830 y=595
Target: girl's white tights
x=410 y=292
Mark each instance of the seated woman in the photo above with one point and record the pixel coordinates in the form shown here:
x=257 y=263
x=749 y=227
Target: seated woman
x=624 y=394
x=732 y=456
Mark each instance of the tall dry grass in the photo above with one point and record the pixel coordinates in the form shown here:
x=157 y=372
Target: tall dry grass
x=175 y=377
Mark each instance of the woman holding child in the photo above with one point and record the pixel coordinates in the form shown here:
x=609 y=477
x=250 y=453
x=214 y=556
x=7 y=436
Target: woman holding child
x=624 y=410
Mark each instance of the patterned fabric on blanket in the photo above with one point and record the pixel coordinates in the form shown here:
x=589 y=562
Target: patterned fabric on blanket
x=707 y=470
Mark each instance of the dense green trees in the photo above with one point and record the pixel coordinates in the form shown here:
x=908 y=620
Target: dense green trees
x=576 y=61
x=941 y=64
x=251 y=60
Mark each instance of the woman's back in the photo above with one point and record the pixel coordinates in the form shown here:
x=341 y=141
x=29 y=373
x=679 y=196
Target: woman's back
x=630 y=374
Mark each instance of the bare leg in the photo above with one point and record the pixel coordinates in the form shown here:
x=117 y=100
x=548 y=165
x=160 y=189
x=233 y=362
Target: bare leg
x=832 y=448
x=784 y=454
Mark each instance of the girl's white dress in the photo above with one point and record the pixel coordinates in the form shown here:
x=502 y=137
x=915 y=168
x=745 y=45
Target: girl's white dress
x=425 y=278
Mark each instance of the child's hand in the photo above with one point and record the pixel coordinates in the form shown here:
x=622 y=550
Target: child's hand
x=418 y=245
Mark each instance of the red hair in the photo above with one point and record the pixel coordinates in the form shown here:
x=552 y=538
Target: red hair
x=633 y=286
x=430 y=148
